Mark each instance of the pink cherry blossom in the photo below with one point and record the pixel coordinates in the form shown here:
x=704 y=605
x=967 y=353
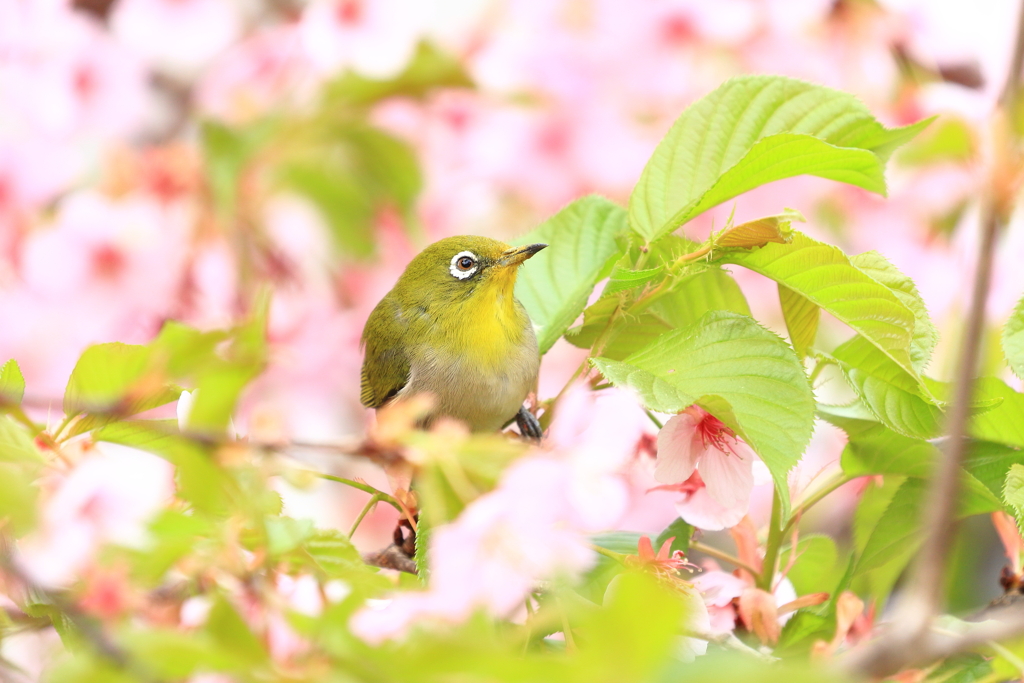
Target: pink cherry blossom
x=704 y=460
x=179 y=36
x=374 y=38
x=108 y=497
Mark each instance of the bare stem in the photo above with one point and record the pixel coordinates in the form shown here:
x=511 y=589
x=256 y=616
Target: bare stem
x=711 y=551
x=771 y=552
x=377 y=493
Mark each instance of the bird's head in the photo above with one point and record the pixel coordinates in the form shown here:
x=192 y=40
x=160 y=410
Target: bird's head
x=460 y=269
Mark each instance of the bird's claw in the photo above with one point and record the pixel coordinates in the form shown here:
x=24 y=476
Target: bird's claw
x=528 y=425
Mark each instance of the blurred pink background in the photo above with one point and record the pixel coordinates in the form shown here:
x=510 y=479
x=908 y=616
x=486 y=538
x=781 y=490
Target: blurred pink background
x=108 y=225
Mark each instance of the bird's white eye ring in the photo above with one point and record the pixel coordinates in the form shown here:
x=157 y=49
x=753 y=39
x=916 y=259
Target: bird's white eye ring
x=464 y=265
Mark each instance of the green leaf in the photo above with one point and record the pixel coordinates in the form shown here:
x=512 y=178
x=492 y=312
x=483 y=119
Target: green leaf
x=16 y=444
x=1013 y=492
x=12 y=384
x=709 y=289
x=429 y=70
x=232 y=634
x=350 y=172
x=199 y=479
x=754 y=130
x=554 y=285
x=824 y=275
x=285 y=534
x=989 y=462
x=623 y=279
x=173 y=655
x=1004 y=423
x=900 y=525
x=925 y=335
x=738 y=371
x=680 y=531
x=888 y=391
x=874 y=449
x=950 y=140
x=116 y=380
x=801 y=316
x=1013 y=340
x=624 y=542
x=814 y=567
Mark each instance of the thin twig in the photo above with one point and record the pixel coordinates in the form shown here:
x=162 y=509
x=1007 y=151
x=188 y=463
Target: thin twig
x=711 y=551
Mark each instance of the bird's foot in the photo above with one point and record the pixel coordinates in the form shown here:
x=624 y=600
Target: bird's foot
x=528 y=425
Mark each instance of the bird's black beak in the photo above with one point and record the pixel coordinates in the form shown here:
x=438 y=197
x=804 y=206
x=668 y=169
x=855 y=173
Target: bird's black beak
x=515 y=256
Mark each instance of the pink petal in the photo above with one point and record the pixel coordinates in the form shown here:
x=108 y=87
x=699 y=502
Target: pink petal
x=679 y=449
x=704 y=512
x=729 y=476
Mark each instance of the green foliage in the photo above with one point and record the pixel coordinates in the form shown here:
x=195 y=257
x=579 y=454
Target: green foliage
x=20 y=466
x=925 y=336
x=824 y=275
x=1013 y=339
x=739 y=372
x=753 y=130
x=1004 y=423
x=429 y=69
x=813 y=565
x=801 y=316
x=554 y=285
x=891 y=393
x=1013 y=492
x=680 y=532
x=12 y=385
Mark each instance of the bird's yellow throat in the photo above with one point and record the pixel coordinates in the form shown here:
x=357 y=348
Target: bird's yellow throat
x=491 y=323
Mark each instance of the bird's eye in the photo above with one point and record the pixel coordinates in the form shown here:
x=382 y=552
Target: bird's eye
x=463 y=265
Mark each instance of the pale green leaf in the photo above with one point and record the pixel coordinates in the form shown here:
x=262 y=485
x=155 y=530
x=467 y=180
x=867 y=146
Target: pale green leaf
x=1013 y=492
x=1013 y=340
x=16 y=443
x=117 y=379
x=874 y=449
x=554 y=285
x=753 y=130
x=814 y=566
x=824 y=275
x=925 y=335
x=12 y=384
x=989 y=462
x=711 y=289
x=900 y=525
x=801 y=316
x=740 y=372
x=892 y=395
x=1004 y=423
x=623 y=279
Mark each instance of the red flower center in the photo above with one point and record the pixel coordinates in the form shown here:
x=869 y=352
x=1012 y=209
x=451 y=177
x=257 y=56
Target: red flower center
x=714 y=432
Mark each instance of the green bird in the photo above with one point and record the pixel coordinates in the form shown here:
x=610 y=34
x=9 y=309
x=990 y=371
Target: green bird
x=452 y=327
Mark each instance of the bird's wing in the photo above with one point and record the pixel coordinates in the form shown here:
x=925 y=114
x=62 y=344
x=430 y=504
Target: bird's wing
x=385 y=365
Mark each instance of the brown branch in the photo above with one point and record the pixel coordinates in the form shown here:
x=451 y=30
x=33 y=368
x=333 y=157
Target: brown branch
x=909 y=637
x=391 y=557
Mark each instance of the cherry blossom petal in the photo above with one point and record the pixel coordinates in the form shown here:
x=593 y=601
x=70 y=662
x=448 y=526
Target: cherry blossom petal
x=704 y=512
x=729 y=476
x=679 y=449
